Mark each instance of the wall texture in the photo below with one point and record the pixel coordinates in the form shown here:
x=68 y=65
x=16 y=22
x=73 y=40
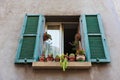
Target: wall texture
x=117 y=5
x=11 y=18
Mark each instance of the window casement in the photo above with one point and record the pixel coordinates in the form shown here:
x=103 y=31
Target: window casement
x=30 y=42
x=91 y=30
x=94 y=40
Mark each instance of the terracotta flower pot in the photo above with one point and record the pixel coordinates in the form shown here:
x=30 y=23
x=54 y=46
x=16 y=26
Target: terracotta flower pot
x=57 y=59
x=80 y=57
x=71 y=59
x=50 y=59
x=42 y=59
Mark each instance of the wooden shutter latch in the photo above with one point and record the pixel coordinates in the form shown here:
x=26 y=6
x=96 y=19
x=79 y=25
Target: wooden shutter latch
x=25 y=60
x=98 y=60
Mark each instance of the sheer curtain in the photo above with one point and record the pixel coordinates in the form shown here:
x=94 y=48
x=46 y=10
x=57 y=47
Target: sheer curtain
x=48 y=48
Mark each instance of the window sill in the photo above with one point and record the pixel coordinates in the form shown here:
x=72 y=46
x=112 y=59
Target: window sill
x=56 y=65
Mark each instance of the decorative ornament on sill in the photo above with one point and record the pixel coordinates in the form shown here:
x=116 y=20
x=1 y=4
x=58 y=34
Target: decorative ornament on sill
x=80 y=55
x=46 y=36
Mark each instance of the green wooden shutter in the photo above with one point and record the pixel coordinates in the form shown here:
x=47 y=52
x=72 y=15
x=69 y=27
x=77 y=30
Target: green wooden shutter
x=94 y=39
x=30 y=40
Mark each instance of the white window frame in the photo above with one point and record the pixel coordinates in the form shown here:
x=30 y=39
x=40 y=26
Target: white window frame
x=61 y=34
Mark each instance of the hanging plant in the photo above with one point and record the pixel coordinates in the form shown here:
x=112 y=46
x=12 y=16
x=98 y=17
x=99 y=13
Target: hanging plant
x=63 y=62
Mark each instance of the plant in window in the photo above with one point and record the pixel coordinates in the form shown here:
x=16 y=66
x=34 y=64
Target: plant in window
x=50 y=57
x=76 y=44
x=72 y=57
x=63 y=62
x=57 y=58
x=46 y=36
x=66 y=56
x=80 y=55
x=42 y=58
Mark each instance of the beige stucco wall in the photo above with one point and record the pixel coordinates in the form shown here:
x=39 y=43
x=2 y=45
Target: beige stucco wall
x=117 y=7
x=11 y=18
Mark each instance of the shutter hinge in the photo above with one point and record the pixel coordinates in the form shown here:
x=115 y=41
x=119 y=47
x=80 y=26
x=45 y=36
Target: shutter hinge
x=25 y=60
x=98 y=60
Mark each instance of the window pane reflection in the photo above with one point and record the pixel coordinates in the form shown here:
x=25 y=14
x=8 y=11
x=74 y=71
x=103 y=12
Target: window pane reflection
x=53 y=46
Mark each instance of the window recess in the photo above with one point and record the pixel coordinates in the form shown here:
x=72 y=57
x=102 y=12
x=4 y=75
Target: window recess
x=63 y=30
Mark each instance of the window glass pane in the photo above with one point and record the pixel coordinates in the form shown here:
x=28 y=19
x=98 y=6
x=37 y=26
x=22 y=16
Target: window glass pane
x=53 y=46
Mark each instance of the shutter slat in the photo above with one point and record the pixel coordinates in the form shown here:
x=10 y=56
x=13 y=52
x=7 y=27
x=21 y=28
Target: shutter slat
x=27 y=49
x=32 y=25
x=96 y=47
x=92 y=24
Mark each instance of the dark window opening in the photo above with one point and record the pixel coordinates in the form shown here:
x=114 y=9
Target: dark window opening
x=70 y=26
x=69 y=36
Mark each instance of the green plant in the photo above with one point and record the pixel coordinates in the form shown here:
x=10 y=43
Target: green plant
x=50 y=57
x=57 y=56
x=72 y=55
x=80 y=55
x=63 y=62
x=76 y=43
x=80 y=52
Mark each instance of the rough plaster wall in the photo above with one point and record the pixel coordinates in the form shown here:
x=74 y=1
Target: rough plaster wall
x=117 y=6
x=11 y=18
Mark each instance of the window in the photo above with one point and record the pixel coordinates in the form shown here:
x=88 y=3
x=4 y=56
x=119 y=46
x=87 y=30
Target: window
x=60 y=32
x=54 y=46
x=94 y=38
x=63 y=30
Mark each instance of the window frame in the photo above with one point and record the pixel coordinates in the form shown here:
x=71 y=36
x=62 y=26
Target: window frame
x=86 y=42
x=38 y=35
x=61 y=34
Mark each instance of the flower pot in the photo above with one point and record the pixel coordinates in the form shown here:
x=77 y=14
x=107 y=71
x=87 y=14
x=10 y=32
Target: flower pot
x=80 y=57
x=71 y=59
x=50 y=59
x=42 y=59
x=57 y=59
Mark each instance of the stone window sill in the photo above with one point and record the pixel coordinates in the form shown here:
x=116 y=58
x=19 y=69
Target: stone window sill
x=56 y=65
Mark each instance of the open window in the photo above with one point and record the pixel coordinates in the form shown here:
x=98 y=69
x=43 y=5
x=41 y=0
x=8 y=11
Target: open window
x=63 y=30
x=53 y=46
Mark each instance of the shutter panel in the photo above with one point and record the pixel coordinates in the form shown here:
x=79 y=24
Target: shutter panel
x=30 y=40
x=94 y=39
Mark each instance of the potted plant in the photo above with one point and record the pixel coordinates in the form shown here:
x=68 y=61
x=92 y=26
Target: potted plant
x=72 y=57
x=50 y=57
x=80 y=55
x=66 y=56
x=42 y=58
x=57 y=58
x=63 y=62
x=46 y=36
